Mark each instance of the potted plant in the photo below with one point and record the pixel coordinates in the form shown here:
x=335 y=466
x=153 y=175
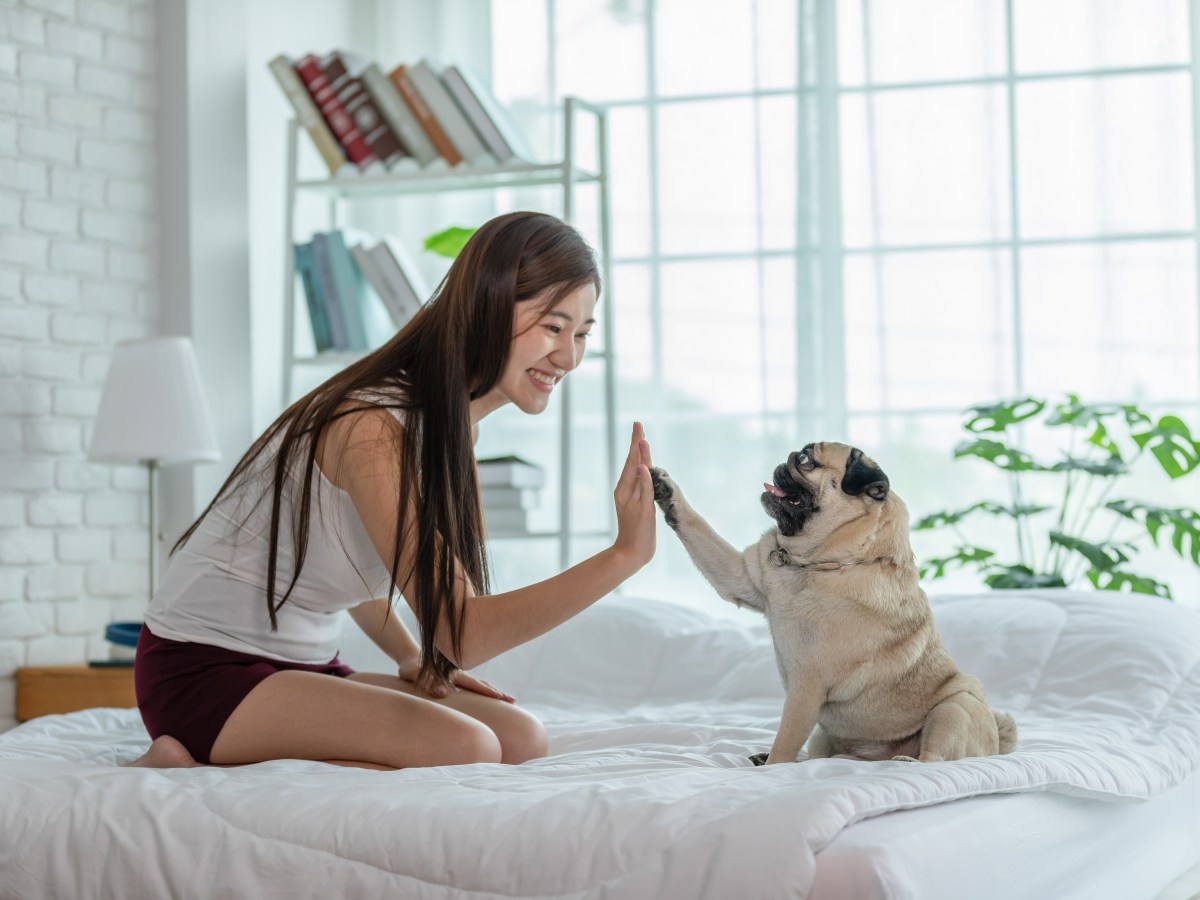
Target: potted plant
x=1080 y=532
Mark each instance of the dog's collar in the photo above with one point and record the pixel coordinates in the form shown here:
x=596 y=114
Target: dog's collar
x=781 y=557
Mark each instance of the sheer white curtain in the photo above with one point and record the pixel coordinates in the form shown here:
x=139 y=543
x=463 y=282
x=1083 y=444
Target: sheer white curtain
x=852 y=219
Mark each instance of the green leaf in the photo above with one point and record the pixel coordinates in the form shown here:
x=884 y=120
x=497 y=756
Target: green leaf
x=1137 y=584
x=1017 y=577
x=1101 y=439
x=1172 y=445
x=963 y=556
x=1183 y=523
x=1081 y=415
x=941 y=519
x=1106 y=468
x=1000 y=455
x=449 y=242
x=998 y=416
x=1105 y=557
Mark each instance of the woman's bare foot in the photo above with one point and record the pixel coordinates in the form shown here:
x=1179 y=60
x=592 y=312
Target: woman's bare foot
x=165 y=753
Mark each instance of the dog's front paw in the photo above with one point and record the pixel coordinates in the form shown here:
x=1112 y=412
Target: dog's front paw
x=664 y=495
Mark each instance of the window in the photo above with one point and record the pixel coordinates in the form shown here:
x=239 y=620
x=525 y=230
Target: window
x=853 y=219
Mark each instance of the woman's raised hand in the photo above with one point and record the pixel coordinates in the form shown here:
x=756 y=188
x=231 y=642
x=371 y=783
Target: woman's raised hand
x=634 y=497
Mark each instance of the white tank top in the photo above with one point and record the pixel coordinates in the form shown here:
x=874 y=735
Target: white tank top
x=214 y=589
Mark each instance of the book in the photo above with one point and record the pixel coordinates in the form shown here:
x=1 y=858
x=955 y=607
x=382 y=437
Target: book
x=393 y=108
x=425 y=77
x=399 y=76
x=355 y=146
x=342 y=71
x=511 y=471
x=328 y=291
x=401 y=271
x=307 y=114
x=305 y=268
x=505 y=520
x=505 y=497
x=349 y=286
x=398 y=311
x=490 y=120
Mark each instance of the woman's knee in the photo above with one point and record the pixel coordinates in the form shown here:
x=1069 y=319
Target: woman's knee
x=472 y=742
x=522 y=736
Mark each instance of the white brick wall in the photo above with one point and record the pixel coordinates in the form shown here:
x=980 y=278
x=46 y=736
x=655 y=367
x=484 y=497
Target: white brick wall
x=77 y=274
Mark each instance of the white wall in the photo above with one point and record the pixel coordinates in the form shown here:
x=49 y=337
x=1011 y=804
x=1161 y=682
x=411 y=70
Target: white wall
x=78 y=108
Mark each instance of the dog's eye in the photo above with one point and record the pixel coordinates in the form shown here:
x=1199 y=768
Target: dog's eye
x=803 y=459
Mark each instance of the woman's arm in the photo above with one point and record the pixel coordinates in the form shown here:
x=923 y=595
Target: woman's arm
x=382 y=625
x=359 y=456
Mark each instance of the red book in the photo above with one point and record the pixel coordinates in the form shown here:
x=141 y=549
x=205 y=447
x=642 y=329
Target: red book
x=308 y=67
x=343 y=72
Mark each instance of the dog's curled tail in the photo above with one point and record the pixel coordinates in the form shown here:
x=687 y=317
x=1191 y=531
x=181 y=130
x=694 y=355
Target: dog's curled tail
x=1006 y=725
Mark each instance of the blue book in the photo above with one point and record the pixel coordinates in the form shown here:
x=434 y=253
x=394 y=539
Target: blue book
x=333 y=309
x=305 y=268
x=351 y=290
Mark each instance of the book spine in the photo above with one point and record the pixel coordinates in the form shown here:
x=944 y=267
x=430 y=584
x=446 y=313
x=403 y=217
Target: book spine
x=496 y=112
x=333 y=311
x=472 y=108
x=446 y=111
x=307 y=113
x=352 y=141
x=322 y=339
x=412 y=97
x=378 y=283
x=393 y=271
x=361 y=108
x=348 y=290
x=510 y=475
x=500 y=497
x=393 y=108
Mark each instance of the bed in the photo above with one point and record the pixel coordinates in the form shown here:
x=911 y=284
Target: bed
x=652 y=710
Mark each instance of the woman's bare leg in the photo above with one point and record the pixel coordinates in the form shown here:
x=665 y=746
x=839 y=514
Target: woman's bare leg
x=522 y=736
x=305 y=715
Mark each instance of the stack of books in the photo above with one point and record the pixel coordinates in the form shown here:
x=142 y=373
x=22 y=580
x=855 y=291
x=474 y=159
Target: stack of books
x=358 y=295
x=508 y=487
x=415 y=117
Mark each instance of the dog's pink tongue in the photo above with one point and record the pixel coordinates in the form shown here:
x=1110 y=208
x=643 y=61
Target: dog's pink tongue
x=774 y=490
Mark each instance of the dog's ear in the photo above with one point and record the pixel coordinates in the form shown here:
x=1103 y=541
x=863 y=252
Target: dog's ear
x=864 y=477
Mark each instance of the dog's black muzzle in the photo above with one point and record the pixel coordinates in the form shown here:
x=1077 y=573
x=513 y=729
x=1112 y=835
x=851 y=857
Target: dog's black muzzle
x=797 y=504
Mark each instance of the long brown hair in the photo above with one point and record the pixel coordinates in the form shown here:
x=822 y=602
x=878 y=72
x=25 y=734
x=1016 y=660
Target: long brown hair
x=453 y=351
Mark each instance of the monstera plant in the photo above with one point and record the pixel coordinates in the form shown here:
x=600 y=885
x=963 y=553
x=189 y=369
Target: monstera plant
x=1092 y=532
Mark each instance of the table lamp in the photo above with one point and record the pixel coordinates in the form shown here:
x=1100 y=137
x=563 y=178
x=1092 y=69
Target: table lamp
x=153 y=412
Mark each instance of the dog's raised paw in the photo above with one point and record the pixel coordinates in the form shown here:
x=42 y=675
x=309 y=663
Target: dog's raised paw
x=664 y=494
x=759 y=759
x=664 y=489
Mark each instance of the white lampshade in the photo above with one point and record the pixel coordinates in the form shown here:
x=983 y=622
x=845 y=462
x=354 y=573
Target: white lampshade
x=153 y=406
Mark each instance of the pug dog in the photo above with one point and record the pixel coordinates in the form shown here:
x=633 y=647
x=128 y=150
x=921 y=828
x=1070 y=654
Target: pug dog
x=864 y=671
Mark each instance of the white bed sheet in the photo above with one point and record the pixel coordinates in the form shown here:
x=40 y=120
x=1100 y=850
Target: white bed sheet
x=652 y=711
x=998 y=848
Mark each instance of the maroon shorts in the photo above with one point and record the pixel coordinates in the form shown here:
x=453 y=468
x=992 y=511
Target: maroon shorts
x=188 y=690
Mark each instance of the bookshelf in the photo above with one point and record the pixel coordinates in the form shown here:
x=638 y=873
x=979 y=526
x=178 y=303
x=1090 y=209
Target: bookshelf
x=568 y=175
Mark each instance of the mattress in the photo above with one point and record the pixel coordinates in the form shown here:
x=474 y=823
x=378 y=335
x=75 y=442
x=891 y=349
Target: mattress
x=652 y=710
x=1030 y=845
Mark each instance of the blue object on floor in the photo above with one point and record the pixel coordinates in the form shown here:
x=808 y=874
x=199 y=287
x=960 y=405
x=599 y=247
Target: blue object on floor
x=123 y=633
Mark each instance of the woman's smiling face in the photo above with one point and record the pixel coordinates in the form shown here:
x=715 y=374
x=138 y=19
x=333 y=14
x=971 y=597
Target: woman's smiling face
x=546 y=345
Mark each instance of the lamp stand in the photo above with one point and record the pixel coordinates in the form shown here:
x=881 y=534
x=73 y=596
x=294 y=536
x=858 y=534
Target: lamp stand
x=152 y=472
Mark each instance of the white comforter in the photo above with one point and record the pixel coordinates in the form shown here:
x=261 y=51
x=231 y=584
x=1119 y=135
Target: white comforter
x=652 y=711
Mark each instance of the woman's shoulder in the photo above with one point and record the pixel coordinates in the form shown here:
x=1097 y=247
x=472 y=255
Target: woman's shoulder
x=367 y=430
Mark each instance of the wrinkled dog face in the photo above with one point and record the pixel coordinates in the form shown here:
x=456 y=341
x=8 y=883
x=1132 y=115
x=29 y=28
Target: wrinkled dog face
x=828 y=482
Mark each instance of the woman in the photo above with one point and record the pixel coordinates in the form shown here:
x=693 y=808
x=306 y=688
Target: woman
x=365 y=487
